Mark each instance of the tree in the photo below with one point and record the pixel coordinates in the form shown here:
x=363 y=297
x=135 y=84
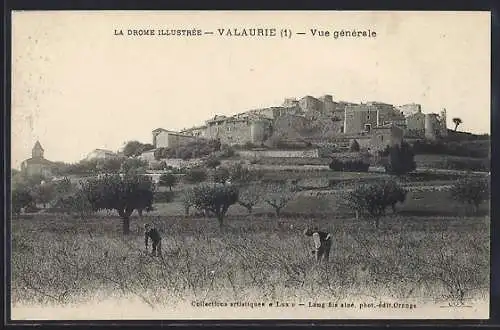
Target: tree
x=216 y=198
x=471 y=191
x=121 y=193
x=354 y=146
x=250 y=196
x=370 y=201
x=457 y=121
x=401 y=159
x=278 y=196
x=135 y=148
x=21 y=198
x=168 y=180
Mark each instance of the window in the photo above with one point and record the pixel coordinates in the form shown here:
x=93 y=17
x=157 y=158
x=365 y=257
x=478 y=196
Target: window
x=368 y=127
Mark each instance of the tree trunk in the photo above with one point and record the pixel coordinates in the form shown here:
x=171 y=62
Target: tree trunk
x=126 y=225
x=125 y=215
x=278 y=210
x=220 y=219
x=377 y=222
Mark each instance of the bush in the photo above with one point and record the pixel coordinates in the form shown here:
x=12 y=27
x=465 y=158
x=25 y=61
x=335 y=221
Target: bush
x=401 y=159
x=354 y=165
x=471 y=191
x=195 y=175
x=371 y=200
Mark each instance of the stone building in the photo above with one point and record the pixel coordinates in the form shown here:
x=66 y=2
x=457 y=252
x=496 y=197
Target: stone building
x=365 y=116
x=37 y=164
x=311 y=117
x=163 y=138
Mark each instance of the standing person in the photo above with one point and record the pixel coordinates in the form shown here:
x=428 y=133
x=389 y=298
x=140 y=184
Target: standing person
x=322 y=243
x=153 y=234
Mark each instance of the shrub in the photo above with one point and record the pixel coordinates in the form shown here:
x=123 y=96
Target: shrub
x=216 y=198
x=471 y=191
x=195 y=175
x=355 y=165
x=401 y=159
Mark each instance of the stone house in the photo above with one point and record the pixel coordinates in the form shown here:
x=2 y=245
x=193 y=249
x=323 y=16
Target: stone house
x=163 y=138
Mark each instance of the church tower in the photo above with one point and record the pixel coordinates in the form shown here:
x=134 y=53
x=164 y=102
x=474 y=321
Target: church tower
x=37 y=151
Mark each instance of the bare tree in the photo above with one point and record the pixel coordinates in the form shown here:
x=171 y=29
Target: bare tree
x=278 y=196
x=250 y=196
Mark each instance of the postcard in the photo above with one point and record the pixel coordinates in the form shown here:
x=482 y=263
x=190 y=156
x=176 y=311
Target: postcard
x=217 y=165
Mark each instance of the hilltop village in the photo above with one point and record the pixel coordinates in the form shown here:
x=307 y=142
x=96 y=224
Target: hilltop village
x=296 y=128
x=315 y=121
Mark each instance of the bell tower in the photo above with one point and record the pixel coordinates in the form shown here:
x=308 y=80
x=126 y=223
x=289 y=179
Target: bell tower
x=37 y=151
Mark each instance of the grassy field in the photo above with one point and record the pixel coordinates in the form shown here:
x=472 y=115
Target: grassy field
x=429 y=250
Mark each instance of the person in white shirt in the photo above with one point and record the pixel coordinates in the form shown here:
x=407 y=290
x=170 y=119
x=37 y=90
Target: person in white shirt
x=322 y=244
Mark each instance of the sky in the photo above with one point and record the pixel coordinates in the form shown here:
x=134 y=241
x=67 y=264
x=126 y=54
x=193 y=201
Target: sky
x=76 y=86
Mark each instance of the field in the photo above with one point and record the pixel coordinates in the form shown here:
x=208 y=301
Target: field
x=429 y=251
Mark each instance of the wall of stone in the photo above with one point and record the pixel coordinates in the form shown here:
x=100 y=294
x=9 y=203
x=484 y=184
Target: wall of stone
x=309 y=103
x=170 y=140
x=311 y=153
x=357 y=116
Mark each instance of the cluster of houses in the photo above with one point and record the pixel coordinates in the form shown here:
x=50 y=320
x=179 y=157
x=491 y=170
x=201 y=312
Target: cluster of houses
x=374 y=125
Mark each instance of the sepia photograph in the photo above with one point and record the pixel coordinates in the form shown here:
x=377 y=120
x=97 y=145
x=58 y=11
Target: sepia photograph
x=250 y=165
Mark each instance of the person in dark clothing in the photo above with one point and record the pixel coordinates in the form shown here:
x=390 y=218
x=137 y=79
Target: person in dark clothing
x=153 y=234
x=322 y=243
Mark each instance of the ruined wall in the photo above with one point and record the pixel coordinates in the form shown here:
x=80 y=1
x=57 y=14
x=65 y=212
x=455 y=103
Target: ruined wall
x=309 y=103
x=410 y=109
x=311 y=153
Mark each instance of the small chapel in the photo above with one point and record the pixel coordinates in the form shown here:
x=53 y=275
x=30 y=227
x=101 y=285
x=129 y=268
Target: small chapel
x=37 y=164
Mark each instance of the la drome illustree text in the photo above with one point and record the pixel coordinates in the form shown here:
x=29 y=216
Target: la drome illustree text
x=246 y=32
